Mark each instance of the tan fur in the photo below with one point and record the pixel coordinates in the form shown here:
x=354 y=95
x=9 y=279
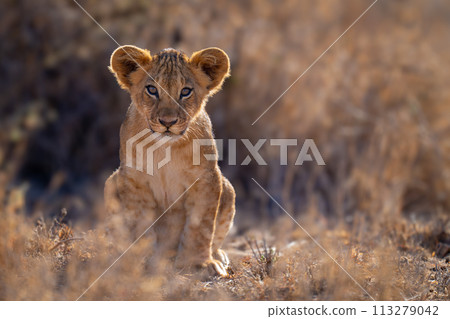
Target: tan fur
x=195 y=226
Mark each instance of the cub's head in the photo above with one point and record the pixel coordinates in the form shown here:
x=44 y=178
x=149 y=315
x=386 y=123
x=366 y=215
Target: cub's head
x=169 y=89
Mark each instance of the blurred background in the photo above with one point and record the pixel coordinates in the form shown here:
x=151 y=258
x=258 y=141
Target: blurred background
x=376 y=104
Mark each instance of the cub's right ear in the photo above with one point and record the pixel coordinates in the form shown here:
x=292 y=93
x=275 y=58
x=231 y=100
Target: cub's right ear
x=127 y=59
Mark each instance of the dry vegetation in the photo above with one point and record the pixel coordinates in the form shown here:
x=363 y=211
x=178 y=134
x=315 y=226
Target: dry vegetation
x=377 y=106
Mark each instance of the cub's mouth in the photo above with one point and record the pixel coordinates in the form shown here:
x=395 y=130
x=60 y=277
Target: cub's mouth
x=169 y=131
x=175 y=128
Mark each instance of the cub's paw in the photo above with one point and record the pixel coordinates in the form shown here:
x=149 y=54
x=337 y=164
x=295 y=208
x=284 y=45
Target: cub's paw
x=215 y=267
x=223 y=257
x=206 y=269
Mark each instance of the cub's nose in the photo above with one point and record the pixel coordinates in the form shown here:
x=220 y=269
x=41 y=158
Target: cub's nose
x=168 y=121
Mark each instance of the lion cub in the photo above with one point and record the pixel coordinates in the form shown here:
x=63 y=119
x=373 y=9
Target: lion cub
x=195 y=203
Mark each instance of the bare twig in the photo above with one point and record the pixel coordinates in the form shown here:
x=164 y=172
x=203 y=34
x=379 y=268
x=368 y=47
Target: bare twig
x=64 y=242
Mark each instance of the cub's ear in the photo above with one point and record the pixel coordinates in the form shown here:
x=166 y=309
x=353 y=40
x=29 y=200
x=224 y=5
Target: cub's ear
x=215 y=64
x=127 y=59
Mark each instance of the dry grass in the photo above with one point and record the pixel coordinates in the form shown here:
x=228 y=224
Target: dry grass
x=377 y=106
x=51 y=261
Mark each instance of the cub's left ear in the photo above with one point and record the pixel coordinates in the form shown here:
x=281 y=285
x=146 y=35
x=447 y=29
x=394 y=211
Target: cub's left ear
x=215 y=64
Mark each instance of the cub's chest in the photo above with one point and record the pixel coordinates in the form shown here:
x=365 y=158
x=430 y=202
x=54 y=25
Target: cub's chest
x=167 y=184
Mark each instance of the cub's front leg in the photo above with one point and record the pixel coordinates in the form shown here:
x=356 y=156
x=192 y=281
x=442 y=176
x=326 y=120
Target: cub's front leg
x=202 y=203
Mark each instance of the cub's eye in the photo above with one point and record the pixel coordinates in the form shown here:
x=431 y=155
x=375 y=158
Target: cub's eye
x=185 y=92
x=151 y=90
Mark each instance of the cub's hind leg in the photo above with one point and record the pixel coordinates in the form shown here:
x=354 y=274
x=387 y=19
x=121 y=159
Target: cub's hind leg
x=224 y=220
x=128 y=211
